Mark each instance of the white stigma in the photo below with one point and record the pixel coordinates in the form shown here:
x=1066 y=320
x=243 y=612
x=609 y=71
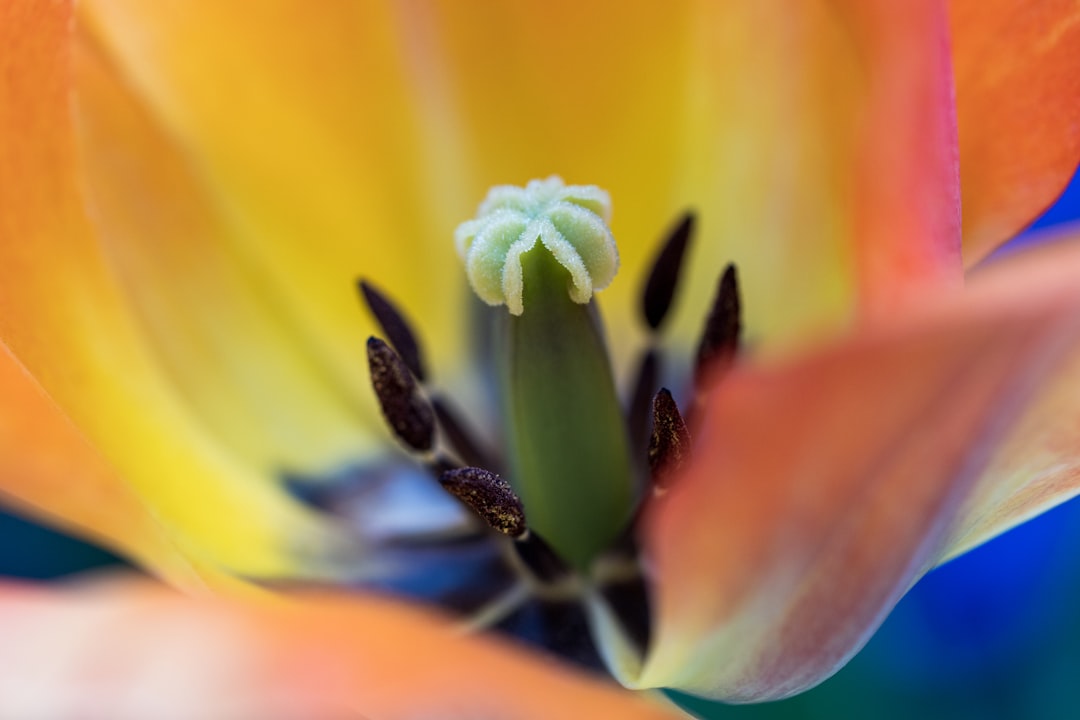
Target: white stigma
x=571 y=221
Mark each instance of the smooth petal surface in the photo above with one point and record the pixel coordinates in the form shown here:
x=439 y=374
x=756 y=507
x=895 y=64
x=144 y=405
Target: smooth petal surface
x=822 y=489
x=1039 y=466
x=224 y=340
x=1018 y=102
x=356 y=138
x=303 y=132
x=820 y=158
x=138 y=652
x=80 y=383
x=906 y=202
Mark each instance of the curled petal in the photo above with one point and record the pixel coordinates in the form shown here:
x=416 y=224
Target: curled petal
x=1018 y=103
x=134 y=651
x=821 y=490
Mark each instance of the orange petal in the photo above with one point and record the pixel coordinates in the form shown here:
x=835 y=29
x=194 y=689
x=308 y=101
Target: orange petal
x=138 y=651
x=75 y=362
x=1017 y=69
x=907 y=186
x=774 y=567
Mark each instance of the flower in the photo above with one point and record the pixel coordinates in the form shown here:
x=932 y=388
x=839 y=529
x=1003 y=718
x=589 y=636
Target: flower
x=189 y=189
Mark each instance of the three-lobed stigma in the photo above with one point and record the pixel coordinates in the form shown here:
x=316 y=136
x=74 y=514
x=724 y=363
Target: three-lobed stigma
x=570 y=221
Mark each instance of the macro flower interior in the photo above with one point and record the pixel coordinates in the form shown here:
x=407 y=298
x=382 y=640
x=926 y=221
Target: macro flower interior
x=192 y=191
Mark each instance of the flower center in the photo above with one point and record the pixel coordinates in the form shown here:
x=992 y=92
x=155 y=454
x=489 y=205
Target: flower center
x=577 y=467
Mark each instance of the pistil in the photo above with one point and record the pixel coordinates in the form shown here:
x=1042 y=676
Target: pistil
x=569 y=454
x=542 y=251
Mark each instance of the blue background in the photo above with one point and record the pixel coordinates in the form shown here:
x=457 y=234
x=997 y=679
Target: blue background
x=994 y=634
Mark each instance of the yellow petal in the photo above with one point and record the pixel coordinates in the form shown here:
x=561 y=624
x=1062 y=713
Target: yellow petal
x=1018 y=103
x=774 y=566
x=820 y=154
x=305 y=131
x=816 y=141
x=132 y=651
x=229 y=345
x=65 y=323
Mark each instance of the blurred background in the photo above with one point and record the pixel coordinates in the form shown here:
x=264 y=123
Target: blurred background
x=994 y=634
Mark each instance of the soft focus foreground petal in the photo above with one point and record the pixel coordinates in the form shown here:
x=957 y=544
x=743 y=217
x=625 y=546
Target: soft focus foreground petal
x=140 y=652
x=357 y=137
x=815 y=139
x=305 y=130
x=821 y=490
x=1017 y=69
x=1039 y=466
x=63 y=322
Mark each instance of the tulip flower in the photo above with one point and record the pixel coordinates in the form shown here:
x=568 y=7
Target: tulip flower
x=189 y=191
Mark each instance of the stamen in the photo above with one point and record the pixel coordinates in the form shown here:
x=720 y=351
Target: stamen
x=723 y=329
x=630 y=602
x=395 y=327
x=669 y=449
x=540 y=558
x=405 y=409
x=439 y=464
x=407 y=345
x=664 y=276
x=656 y=300
x=489 y=496
x=461 y=439
x=638 y=414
